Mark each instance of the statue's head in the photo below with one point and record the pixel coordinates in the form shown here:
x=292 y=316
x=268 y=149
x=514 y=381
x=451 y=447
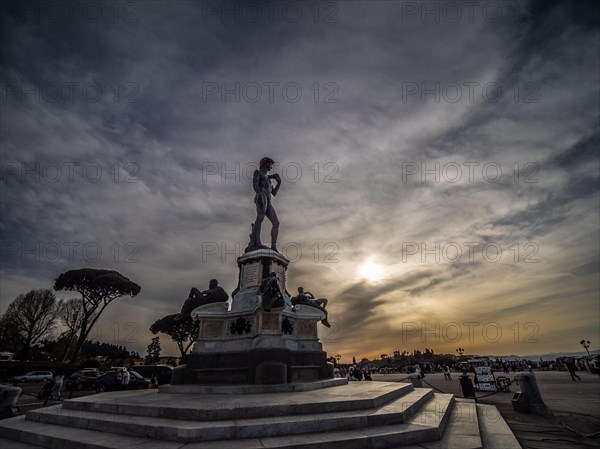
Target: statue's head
x=213 y=283
x=300 y=289
x=266 y=162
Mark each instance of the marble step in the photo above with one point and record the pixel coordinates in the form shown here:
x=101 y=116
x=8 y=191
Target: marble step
x=12 y=444
x=495 y=433
x=293 y=387
x=427 y=424
x=51 y=436
x=393 y=412
x=354 y=396
x=461 y=432
x=473 y=426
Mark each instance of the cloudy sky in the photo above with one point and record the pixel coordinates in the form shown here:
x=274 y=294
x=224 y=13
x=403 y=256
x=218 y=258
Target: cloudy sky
x=439 y=161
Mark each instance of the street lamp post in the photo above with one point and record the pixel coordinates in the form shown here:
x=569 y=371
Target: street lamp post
x=586 y=345
x=460 y=351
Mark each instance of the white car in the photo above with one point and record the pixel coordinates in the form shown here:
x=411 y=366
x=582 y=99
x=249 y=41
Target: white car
x=33 y=376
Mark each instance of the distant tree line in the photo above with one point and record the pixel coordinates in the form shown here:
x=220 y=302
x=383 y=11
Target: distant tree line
x=50 y=349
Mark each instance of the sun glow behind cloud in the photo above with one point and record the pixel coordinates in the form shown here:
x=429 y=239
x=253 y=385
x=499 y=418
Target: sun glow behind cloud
x=371 y=271
x=359 y=232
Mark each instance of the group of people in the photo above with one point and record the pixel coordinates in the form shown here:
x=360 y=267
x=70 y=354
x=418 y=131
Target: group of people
x=590 y=364
x=123 y=377
x=354 y=373
x=52 y=389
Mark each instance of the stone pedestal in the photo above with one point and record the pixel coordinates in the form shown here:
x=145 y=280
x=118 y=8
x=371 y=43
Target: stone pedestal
x=240 y=343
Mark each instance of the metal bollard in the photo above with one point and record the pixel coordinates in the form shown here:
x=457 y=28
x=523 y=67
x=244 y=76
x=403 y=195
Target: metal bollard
x=467 y=386
x=535 y=404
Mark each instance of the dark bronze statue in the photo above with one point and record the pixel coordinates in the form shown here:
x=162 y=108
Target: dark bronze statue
x=196 y=298
x=261 y=182
x=270 y=292
x=308 y=299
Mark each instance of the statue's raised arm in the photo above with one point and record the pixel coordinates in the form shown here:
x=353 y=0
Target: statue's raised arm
x=277 y=179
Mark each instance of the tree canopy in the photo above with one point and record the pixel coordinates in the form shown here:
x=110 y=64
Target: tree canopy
x=153 y=351
x=30 y=318
x=98 y=288
x=183 y=332
x=97 y=285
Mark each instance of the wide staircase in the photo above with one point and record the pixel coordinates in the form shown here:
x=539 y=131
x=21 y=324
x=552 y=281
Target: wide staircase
x=358 y=415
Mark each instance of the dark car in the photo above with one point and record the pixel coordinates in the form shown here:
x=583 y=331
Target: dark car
x=108 y=382
x=163 y=372
x=83 y=380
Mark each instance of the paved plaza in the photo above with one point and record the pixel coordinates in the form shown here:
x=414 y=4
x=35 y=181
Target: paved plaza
x=576 y=404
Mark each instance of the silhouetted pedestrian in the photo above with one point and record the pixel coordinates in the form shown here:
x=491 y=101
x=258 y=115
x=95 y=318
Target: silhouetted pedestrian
x=57 y=386
x=571 y=368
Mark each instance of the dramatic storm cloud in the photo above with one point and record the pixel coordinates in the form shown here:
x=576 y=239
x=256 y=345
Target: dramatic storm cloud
x=452 y=146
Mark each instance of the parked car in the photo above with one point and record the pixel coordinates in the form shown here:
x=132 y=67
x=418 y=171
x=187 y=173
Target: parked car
x=108 y=382
x=33 y=376
x=83 y=380
x=163 y=372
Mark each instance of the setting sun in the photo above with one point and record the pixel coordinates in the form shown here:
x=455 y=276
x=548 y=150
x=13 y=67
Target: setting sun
x=371 y=271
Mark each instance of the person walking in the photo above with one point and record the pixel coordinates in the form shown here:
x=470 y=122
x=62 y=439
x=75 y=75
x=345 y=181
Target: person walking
x=447 y=375
x=119 y=380
x=418 y=371
x=154 y=381
x=596 y=364
x=571 y=368
x=126 y=378
x=57 y=386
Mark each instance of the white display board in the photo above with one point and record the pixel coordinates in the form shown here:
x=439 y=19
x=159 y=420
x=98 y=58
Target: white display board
x=485 y=378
